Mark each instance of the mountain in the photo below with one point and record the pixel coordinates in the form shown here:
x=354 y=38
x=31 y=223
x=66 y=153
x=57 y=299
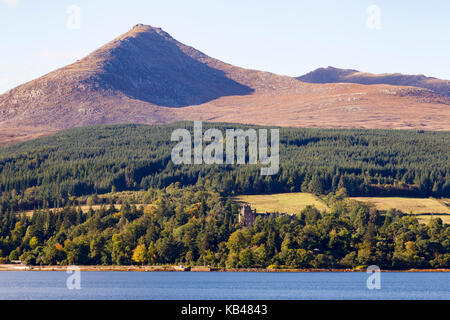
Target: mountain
x=127 y=79
x=335 y=75
x=146 y=76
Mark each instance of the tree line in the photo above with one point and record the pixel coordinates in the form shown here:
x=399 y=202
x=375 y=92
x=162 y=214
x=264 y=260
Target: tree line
x=51 y=172
x=195 y=226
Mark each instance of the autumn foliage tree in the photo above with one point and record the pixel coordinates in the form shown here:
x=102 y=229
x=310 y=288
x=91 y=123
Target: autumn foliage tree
x=140 y=254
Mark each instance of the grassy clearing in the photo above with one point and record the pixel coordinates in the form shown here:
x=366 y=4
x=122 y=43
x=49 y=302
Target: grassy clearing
x=291 y=203
x=408 y=205
x=426 y=219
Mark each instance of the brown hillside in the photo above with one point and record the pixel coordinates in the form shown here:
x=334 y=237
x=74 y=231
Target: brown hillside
x=146 y=76
x=335 y=75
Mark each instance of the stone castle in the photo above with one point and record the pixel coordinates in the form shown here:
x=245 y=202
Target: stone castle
x=247 y=216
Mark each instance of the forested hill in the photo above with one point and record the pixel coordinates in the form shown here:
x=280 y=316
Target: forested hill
x=99 y=159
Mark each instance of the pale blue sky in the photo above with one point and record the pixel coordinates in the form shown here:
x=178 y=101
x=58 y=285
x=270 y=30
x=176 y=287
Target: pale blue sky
x=289 y=37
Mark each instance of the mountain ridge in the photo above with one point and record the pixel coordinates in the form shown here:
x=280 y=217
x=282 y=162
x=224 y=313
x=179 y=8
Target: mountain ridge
x=336 y=75
x=146 y=76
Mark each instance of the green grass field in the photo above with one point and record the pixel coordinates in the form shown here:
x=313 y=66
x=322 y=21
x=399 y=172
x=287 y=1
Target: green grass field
x=290 y=203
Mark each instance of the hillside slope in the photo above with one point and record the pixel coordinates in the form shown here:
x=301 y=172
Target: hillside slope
x=335 y=75
x=98 y=159
x=146 y=76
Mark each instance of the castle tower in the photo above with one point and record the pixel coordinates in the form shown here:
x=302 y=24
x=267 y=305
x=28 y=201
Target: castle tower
x=247 y=216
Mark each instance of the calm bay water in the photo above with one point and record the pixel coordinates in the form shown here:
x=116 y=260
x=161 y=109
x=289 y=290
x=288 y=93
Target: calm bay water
x=223 y=285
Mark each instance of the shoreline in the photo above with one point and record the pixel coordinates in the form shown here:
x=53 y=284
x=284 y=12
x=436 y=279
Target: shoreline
x=12 y=267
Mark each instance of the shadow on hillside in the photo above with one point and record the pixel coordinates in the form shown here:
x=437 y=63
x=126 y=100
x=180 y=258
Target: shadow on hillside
x=154 y=69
